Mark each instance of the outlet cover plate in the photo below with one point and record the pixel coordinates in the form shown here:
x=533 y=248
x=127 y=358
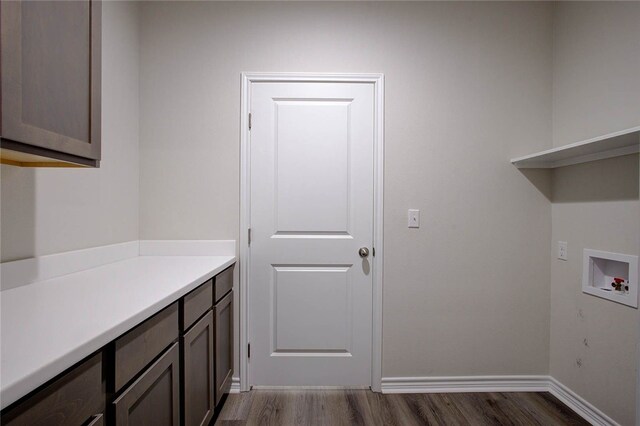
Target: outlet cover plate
x=562 y=250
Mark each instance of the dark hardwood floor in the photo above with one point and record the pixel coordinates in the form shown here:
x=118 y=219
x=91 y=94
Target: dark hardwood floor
x=363 y=407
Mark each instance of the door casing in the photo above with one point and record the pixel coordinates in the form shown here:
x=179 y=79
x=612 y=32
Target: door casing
x=377 y=80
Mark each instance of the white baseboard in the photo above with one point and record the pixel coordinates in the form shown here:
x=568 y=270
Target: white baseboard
x=235 y=385
x=499 y=384
x=465 y=384
x=458 y=384
x=578 y=404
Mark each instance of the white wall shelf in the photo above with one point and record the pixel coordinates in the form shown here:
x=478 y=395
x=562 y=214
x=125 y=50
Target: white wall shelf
x=607 y=146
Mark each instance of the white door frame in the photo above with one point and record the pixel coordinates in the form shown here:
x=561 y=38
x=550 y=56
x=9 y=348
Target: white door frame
x=377 y=80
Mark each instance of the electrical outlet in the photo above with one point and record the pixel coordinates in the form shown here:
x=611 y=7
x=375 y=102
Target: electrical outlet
x=414 y=218
x=562 y=250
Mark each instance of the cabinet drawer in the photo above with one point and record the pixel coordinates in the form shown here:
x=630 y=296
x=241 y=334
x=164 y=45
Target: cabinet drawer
x=140 y=346
x=73 y=399
x=195 y=304
x=154 y=398
x=223 y=283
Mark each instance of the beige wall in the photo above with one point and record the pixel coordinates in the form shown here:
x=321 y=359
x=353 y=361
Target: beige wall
x=468 y=86
x=596 y=58
x=596 y=90
x=53 y=210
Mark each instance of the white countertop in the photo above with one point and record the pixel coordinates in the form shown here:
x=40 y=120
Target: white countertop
x=48 y=326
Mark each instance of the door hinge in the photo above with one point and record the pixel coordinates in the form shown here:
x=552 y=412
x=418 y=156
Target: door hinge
x=249 y=350
x=249 y=235
x=249 y=121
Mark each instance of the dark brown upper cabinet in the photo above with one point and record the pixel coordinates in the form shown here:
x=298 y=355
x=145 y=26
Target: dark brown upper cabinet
x=51 y=83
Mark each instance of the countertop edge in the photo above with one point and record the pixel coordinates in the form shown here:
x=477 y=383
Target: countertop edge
x=12 y=392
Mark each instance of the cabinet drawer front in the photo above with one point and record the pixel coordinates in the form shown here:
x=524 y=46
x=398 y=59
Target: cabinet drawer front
x=223 y=282
x=223 y=312
x=196 y=303
x=197 y=373
x=154 y=398
x=70 y=400
x=140 y=346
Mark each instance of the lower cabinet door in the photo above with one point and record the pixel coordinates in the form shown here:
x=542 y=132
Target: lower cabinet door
x=223 y=311
x=197 y=374
x=154 y=398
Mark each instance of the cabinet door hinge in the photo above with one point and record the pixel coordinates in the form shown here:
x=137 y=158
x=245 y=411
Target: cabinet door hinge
x=249 y=350
x=249 y=121
x=249 y=236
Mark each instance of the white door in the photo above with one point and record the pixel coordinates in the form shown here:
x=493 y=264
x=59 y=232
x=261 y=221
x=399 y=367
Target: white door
x=311 y=189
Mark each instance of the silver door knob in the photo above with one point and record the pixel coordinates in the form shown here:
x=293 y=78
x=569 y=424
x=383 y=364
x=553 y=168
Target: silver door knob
x=363 y=252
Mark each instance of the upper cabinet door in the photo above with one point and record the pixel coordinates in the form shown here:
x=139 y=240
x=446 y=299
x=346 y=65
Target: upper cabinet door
x=51 y=82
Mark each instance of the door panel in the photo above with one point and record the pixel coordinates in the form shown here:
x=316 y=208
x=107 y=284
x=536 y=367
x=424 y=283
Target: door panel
x=154 y=398
x=49 y=72
x=313 y=172
x=312 y=310
x=198 y=396
x=223 y=312
x=310 y=302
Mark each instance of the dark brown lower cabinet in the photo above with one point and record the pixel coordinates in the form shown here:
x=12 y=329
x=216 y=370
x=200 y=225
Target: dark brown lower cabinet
x=223 y=312
x=172 y=369
x=75 y=398
x=154 y=398
x=197 y=373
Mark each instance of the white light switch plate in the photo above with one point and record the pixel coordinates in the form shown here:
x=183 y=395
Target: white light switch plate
x=414 y=218
x=562 y=250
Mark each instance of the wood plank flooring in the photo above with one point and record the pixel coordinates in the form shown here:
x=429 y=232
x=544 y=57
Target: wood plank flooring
x=363 y=407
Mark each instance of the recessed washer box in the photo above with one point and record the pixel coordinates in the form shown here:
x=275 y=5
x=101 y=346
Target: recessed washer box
x=601 y=268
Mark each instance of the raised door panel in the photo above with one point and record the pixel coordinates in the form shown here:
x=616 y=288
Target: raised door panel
x=51 y=76
x=312 y=311
x=198 y=373
x=154 y=398
x=223 y=311
x=311 y=172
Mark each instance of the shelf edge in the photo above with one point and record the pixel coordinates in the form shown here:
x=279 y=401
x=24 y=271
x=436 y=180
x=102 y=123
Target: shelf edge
x=528 y=161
